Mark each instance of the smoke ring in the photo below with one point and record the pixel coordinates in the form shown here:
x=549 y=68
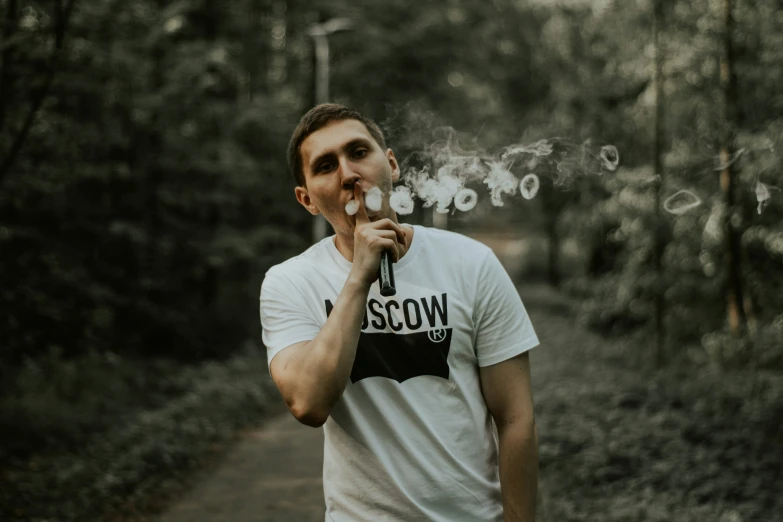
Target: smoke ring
x=352 y=207
x=465 y=199
x=373 y=199
x=529 y=185
x=695 y=202
x=401 y=201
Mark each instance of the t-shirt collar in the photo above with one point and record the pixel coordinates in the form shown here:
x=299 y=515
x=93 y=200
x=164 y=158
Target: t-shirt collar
x=413 y=251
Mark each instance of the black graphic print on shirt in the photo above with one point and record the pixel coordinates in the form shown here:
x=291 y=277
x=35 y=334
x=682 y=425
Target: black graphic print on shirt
x=403 y=356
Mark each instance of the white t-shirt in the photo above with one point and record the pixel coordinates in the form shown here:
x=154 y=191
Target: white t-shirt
x=411 y=437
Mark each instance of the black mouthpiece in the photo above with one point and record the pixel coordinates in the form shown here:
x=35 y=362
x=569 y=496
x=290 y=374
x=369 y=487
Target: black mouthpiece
x=386 y=276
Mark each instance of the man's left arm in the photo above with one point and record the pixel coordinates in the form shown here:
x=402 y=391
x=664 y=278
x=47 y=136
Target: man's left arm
x=507 y=392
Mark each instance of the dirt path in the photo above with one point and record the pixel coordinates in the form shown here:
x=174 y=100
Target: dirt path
x=273 y=474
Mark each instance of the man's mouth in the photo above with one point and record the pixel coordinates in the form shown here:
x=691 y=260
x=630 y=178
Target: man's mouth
x=373 y=203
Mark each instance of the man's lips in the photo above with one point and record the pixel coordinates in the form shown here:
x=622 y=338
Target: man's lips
x=369 y=211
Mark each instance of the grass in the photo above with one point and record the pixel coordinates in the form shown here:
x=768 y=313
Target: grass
x=622 y=441
x=84 y=463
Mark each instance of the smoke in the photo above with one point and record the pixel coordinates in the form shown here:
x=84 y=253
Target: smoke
x=447 y=174
x=763 y=194
x=681 y=202
x=610 y=158
x=465 y=199
x=712 y=229
x=500 y=181
x=721 y=165
x=374 y=199
x=438 y=175
x=529 y=186
x=352 y=207
x=402 y=201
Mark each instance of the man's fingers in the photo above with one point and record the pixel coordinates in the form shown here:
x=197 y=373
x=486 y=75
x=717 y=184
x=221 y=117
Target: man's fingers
x=401 y=237
x=361 y=214
x=388 y=224
x=389 y=238
x=392 y=248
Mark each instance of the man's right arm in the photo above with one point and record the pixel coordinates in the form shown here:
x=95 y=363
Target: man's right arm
x=312 y=375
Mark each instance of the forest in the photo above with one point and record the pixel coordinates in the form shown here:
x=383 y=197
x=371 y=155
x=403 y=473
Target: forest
x=144 y=193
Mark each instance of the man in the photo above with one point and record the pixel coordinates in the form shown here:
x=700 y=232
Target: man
x=406 y=387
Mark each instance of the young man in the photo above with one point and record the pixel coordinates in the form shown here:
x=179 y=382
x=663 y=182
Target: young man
x=425 y=396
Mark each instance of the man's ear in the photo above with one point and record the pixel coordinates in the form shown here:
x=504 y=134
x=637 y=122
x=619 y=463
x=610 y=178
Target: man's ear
x=303 y=197
x=394 y=165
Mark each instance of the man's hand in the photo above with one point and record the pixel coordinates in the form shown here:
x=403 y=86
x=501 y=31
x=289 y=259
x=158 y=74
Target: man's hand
x=370 y=238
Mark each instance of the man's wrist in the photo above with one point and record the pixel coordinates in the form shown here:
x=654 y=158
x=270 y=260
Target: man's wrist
x=356 y=284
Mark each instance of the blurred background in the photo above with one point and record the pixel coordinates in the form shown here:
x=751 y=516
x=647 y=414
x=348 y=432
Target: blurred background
x=144 y=193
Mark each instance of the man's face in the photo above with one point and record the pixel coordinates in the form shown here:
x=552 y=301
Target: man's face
x=334 y=158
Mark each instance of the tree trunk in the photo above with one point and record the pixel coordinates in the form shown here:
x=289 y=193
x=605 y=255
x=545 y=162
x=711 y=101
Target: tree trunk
x=278 y=36
x=552 y=209
x=252 y=50
x=553 y=257
x=62 y=14
x=660 y=349
x=210 y=283
x=152 y=149
x=321 y=95
x=7 y=31
x=728 y=81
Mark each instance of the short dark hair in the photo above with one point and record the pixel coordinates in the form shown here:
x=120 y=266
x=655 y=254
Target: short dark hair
x=318 y=117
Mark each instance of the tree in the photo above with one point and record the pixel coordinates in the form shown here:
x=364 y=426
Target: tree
x=61 y=15
x=658 y=125
x=733 y=254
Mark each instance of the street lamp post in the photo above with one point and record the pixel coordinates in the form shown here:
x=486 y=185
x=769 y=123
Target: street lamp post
x=320 y=34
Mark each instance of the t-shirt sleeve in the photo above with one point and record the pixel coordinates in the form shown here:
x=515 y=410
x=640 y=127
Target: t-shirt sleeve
x=503 y=327
x=285 y=317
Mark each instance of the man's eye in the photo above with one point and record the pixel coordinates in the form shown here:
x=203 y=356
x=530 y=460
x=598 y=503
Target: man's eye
x=360 y=153
x=324 y=167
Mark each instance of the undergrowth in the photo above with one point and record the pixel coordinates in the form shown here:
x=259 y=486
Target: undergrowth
x=96 y=437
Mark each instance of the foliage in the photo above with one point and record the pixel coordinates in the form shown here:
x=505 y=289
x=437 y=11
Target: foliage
x=151 y=196
x=112 y=461
x=621 y=440
x=620 y=215
x=144 y=189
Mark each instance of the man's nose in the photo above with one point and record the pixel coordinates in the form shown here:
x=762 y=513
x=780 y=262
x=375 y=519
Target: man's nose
x=349 y=176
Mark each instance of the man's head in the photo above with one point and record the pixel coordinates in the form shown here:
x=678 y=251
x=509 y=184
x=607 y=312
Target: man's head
x=318 y=117
x=332 y=149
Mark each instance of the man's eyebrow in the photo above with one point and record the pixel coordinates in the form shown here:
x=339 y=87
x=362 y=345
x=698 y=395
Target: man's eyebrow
x=350 y=145
x=357 y=141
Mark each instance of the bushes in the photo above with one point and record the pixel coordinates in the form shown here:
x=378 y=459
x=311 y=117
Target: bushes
x=621 y=441
x=53 y=403
x=620 y=297
x=761 y=350
x=87 y=471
